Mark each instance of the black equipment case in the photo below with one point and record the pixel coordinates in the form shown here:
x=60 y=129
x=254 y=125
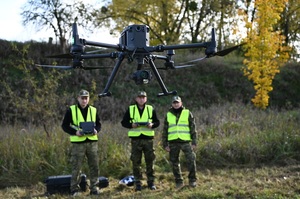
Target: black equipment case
x=61 y=184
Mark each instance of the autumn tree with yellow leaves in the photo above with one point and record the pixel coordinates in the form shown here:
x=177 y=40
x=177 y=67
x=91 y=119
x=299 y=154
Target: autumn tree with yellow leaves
x=265 y=47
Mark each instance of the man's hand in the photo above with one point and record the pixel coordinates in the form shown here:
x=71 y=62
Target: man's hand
x=167 y=148
x=193 y=147
x=134 y=125
x=149 y=125
x=78 y=133
x=95 y=132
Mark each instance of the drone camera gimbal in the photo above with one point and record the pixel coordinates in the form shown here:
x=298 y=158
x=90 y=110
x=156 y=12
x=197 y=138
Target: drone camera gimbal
x=141 y=76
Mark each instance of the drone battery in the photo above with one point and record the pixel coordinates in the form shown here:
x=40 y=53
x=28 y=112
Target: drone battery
x=61 y=184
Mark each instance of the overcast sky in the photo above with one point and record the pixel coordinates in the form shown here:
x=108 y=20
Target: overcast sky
x=11 y=27
x=10 y=21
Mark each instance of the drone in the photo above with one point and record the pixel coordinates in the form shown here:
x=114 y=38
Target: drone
x=134 y=45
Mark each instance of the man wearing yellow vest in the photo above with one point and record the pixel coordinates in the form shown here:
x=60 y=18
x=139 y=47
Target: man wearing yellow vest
x=84 y=144
x=140 y=118
x=179 y=134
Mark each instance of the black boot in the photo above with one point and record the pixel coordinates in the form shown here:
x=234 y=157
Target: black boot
x=138 y=186
x=151 y=185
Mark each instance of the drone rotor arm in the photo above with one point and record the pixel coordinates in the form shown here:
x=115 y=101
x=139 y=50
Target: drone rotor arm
x=106 y=55
x=161 y=48
x=105 y=45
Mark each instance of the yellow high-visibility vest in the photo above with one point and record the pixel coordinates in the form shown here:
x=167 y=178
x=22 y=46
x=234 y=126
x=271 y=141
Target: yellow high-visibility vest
x=77 y=118
x=181 y=130
x=135 y=117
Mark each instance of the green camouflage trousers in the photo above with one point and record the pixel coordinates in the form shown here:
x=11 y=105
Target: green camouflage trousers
x=78 y=153
x=175 y=148
x=138 y=147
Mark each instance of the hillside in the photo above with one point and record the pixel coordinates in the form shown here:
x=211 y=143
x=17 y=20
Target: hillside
x=212 y=81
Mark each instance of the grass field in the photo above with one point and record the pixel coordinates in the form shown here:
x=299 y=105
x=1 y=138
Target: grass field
x=242 y=152
x=264 y=182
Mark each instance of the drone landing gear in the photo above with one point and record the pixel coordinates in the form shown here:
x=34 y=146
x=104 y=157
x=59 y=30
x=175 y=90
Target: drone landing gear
x=160 y=81
x=121 y=57
x=105 y=92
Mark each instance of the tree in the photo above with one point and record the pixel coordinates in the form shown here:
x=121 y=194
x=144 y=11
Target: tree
x=173 y=21
x=197 y=16
x=289 y=24
x=206 y=14
x=164 y=17
x=56 y=15
x=265 y=49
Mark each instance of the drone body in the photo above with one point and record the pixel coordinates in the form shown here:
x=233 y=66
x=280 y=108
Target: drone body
x=135 y=36
x=134 y=45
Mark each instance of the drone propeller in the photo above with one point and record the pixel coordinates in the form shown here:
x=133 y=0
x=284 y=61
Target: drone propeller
x=71 y=67
x=175 y=67
x=51 y=66
x=227 y=50
x=94 y=67
x=67 y=56
x=218 y=53
x=183 y=66
x=96 y=51
x=195 y=60
x=210 y=51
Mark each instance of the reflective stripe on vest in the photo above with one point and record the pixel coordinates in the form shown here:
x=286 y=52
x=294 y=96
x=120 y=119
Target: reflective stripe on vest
x=77 y=118
x=135 y=117
x=181 y=130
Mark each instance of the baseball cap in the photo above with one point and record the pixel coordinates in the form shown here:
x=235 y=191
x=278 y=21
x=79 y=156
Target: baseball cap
x=142 y=94
x=176 y=99
x=84 y=93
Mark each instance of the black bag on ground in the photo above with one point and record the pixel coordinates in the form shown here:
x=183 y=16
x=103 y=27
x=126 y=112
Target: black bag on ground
x=103 y=182
x=61 y=184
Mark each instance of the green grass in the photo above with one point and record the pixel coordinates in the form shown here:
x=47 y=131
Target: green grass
x=261 y=182
x=242 y=152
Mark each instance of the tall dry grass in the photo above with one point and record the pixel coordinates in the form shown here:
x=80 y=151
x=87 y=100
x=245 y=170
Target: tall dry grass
x=230 y=135
x=234 y=134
